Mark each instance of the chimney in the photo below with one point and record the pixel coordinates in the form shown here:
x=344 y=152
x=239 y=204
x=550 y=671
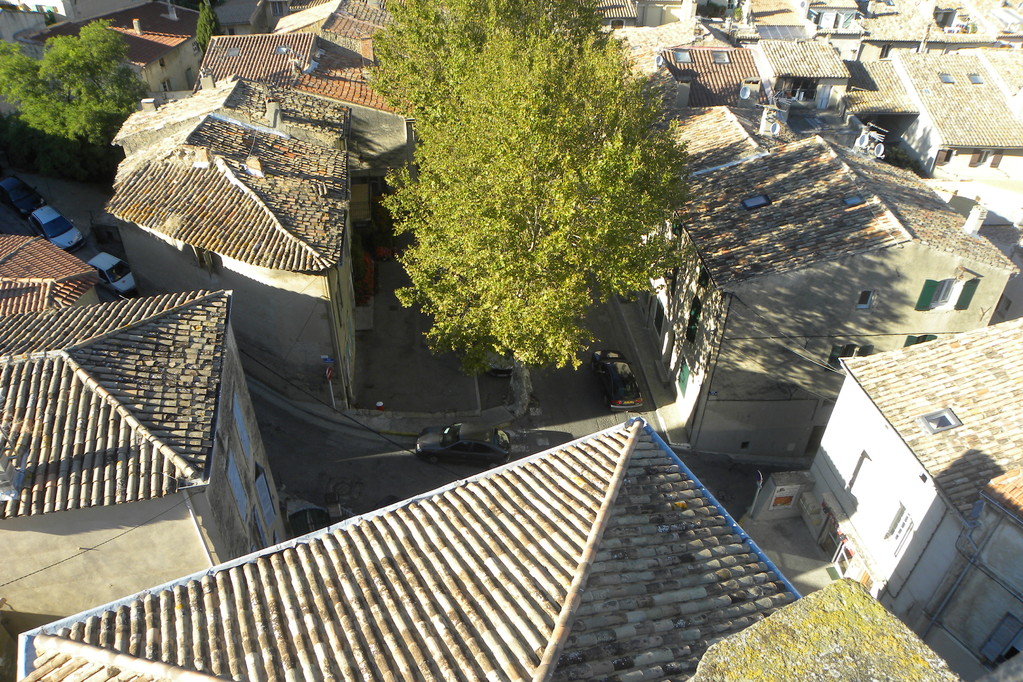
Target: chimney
x=273 y=112
x=254 y=166
x=366 y=49
x=974 y=221
x=149 y=104
x=137 y=25
x=206 y=81
x=682 y=87
x=202 y=158
x=172 y=11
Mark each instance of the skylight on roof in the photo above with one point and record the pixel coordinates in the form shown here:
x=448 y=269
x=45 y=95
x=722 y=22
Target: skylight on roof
x=946 y=78
x=853 y=200
x=754 y=202
x=683 y=57
x=976 y=79
x=233 y=52
x=282 y=49
x=942 y=420
x=721 y=57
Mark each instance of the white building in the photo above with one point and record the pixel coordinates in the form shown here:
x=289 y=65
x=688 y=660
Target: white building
x=915 y=436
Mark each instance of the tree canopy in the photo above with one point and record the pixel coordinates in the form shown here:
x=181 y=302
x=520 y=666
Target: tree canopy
x=208 y=25
x=541 y=172
x=82 y=88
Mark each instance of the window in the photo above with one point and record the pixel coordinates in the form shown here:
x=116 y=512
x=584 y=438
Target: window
x=976 y=79
x=617 y=23
x=900 y=530
x=720 y=57
x=866 y=299
x=980 y=157
x=944 y=156
x=939 y=294
x=946 y=78
x=996 y=159
x=854 y=200
x=1005 y=640
x=886 y=50
x=279 y=9
x=189 y=80
x=842 y=351
x=923 y=338
x=942 y=420
x=195 y=48
x=237 y=487
x=163 y=62
x=800 y=89
x=233 y=51
x=683 y=57
x=683 y=378
x=266 y=503
x=165 y=85
x=754 y=202
x=704 y=278
x=693 y=324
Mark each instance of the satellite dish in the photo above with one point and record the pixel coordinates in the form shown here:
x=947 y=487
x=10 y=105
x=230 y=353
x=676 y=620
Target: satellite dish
x=775 y=128
x=863 y=140
x=745 y=92
x=879 y=150
x=659 y=61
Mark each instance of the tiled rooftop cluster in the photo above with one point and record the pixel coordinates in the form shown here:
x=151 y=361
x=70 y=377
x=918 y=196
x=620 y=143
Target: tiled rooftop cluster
x=714 y=136
x=598 y=558
x=160 y=33
x=803 y=59
x=875 y=88
x=715 y=74
x=36 y=275
x=356 y=19
x=912 y=21
x=962 y=98
x=808 y=218
x=977 y=375
x=245 y=192
x=110 y=403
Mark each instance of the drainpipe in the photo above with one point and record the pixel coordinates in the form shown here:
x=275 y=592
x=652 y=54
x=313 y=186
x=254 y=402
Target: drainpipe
x=971 y=558
x=198 y=528
x=696 y=433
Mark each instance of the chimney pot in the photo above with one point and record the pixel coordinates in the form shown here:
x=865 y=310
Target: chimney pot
x=149 y=104
x=273 y=112
x=137 y=25
x=254 y=166
x=974 y=221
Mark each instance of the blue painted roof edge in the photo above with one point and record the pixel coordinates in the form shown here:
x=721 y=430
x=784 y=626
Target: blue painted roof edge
x=728 y=517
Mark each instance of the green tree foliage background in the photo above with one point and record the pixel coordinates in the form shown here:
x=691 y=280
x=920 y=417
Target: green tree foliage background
x=70 y=103
x=208 y=26
x=541 y=170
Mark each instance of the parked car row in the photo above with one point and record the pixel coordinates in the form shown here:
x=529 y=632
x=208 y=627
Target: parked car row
x=48 y=222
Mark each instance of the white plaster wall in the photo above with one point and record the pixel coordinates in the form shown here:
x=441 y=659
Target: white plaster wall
x=1010 y=167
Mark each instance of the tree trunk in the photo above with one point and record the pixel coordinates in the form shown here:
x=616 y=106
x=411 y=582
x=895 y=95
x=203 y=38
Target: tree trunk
x=521 y=389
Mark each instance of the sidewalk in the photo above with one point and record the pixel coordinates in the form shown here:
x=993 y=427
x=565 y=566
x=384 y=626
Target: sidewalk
x=660 y=388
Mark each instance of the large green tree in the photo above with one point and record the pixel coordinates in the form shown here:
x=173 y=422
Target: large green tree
x=541 y=171
x=82 y=88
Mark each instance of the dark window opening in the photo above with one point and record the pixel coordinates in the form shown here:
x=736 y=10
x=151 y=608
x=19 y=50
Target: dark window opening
x=944 y=156
x=693 y=324
x=886 y=50
x=704 y=278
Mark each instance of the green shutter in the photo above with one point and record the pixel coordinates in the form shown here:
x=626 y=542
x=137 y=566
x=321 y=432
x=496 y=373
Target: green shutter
x=910 y=340
x=925 y=338
x=836 y=353
x=683 y=378
x=966 y=295
x=926 y=295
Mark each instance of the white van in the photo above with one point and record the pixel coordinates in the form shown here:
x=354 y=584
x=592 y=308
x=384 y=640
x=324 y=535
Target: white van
x=114 y=273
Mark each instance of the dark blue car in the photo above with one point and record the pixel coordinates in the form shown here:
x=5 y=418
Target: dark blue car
x=19 y=196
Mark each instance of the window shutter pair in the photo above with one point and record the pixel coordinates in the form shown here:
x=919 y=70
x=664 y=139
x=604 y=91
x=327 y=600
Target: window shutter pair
x=1002 y=636
x=975 y=160
x=965 y=295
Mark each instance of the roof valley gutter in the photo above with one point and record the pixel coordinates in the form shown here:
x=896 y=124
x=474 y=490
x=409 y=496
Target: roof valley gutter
x=559 y=633
x=732 y=522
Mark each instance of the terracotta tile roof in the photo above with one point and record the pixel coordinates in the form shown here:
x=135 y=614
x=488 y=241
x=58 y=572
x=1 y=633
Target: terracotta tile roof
x=61 y=660
x=803 y=59
x=875 y=88
x=342 y=75
x=962 y=112
x=976 y=374
x=110 y=403
x=308 y=20
x=36 y=275
x=266 y=58
x=617 y=9
x=808 y=221
x=823 y=632
x=197 y=187
x=715 y=74
x=357 y=19
x=1006 y=68
x=160 y=34
x=714 y=136
x=336 y=72
x=644 y=43
x=1007 y=490
x=601 y=557
x=774 y=13
x=300 y=5
x=912 y=21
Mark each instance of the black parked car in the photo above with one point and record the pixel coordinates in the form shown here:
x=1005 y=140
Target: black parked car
x=467 y=443
x=20 y=196
x=621 y=388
